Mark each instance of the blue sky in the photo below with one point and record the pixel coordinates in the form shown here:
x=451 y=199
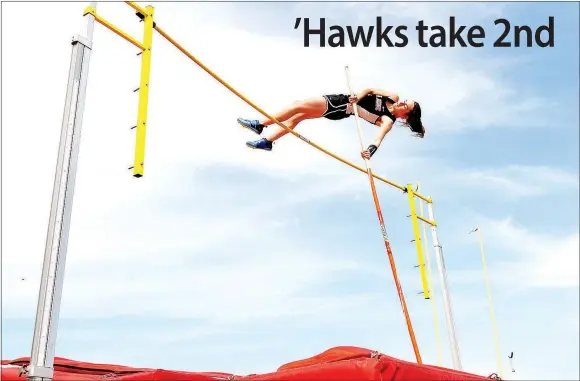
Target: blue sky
x=271 y=257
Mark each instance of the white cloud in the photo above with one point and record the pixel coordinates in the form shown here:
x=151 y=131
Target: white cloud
x=510 y=181
x=521 y=258
x=102 y=245
x=542 y=260
x=521 y=180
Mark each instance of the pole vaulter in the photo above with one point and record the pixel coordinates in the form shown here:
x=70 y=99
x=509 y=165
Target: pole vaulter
x=384 y=230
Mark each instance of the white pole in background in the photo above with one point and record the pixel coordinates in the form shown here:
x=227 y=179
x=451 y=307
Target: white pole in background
x=445 y=292
x=51 y=283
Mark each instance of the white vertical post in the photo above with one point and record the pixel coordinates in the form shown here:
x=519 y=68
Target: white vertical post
x=445 y=291
x=51 y=283
x=490 y=301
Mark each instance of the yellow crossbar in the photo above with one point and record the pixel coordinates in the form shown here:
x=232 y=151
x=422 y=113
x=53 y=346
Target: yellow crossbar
x=136 y=7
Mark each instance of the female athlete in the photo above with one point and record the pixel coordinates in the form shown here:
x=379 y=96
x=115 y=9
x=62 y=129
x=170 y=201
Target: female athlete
x=379 y=107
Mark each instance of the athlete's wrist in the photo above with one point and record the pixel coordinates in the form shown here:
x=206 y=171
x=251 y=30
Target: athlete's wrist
x=372 y=149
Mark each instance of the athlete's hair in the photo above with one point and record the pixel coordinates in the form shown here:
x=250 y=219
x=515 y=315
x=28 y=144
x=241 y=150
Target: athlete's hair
x=414 y=121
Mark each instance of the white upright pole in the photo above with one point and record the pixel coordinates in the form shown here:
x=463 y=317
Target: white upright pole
x=490 y=301
x=445 y=293
x=41 y=365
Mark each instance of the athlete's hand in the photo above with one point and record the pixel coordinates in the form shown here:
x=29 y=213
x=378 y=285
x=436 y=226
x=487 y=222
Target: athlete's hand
x=366 y=154
x=353 y=99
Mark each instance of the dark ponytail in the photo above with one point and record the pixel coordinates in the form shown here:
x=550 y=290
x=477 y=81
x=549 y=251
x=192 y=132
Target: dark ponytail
x=414 y=121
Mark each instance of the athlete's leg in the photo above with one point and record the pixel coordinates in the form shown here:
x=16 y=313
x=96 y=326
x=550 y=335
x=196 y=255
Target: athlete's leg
x=266 y=143
x=312 y=107
x=290 y=123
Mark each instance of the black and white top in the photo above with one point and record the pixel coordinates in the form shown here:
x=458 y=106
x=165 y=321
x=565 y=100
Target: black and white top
x=372 y=107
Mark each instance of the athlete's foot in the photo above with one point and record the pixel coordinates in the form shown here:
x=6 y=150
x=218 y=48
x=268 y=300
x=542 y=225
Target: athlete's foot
x=263 y=143
x=252 y=125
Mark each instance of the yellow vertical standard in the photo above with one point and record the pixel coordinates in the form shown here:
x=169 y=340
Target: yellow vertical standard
x=418 y=244
x=143 y=93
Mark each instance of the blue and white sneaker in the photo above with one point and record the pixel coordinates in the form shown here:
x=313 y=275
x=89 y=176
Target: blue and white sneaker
x=252 y=125
x=263 y=143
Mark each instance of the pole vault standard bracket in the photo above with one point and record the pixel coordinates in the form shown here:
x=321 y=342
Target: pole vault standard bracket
x=80 y=39
x=146 y=15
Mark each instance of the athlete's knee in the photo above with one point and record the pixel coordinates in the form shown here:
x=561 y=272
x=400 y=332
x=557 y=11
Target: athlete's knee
x=299 y=106
x=292 y=122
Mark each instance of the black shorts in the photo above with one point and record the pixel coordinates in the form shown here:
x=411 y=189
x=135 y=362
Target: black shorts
x=336 y=106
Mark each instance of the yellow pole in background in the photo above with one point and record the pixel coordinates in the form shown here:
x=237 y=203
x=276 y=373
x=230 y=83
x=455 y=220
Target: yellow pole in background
x=141 y=127
x=418 y=244
x=430 y=280
x=491 y=311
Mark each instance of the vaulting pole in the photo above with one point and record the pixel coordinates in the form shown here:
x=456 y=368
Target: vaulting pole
x=51 y=282
x=384 y=232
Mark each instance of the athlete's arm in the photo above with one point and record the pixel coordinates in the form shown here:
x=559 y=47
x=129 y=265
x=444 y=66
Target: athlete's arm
x=385 y=125
x=364 y=93
x=357 y=97
x=386 y=93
